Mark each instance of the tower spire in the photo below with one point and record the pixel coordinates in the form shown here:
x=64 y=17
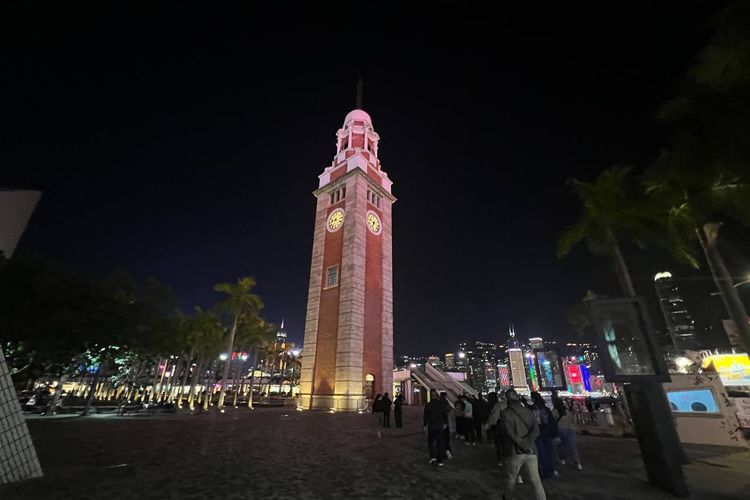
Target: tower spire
x=360 y=92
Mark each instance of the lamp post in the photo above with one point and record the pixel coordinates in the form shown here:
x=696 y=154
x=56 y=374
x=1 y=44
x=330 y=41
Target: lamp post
x=629 y=354
x=743 y=282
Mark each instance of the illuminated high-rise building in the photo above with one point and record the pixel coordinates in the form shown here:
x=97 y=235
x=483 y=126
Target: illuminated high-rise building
x=678 y=320
x=536 y=343
x=516 y=361
x=450 y=361
x=517 y=368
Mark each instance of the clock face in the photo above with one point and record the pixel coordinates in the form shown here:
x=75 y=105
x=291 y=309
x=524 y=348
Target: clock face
x=335 y=220
x=373 y=222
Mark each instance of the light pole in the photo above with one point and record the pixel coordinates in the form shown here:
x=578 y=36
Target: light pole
x=746 y=280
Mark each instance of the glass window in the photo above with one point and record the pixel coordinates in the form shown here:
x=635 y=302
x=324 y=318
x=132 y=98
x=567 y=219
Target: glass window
x=333 y=276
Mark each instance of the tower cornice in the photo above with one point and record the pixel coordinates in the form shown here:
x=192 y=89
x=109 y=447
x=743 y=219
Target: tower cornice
x=356 y=171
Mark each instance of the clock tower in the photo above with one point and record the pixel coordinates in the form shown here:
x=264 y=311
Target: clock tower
x=348 y=348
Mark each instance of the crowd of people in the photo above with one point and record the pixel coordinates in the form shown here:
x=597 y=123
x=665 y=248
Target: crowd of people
x=381 y=408
x=530 y=437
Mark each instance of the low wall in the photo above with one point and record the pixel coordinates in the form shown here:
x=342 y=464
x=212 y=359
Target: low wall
x=704 y=422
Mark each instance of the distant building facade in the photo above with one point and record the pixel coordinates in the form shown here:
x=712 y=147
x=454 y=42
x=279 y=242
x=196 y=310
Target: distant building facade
x=450 y=361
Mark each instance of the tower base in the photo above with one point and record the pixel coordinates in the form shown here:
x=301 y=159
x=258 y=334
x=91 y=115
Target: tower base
x=333 y=402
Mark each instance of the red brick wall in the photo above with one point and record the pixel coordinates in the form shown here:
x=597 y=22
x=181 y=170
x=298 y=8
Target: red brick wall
x=328 y=316
x=373 y=307
x=338 y=173
x=373 y=174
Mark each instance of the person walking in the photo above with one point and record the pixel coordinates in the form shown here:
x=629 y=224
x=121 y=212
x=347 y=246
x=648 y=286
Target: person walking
x=547 y=432
x=449 y=431
x=520 y=432
x=458 y=411
x=397 y=404
x=494 y=420
x=377 y=410
x=386 y=405
x=590 y=410
x=481 y=412
x=566 y=431
x=435 y=421
x=468 y=423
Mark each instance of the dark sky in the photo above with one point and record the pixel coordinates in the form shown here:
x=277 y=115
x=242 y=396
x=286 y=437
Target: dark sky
x=184 y=145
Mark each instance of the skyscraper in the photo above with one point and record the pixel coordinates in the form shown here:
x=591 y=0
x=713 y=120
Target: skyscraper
x=679 y=322
x=536 y=343
x=349 y=327
x=450 y=361
x=515 y=358
x=512 y=340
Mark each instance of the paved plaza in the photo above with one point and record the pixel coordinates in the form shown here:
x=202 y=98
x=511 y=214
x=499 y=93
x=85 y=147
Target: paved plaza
x=282 y=453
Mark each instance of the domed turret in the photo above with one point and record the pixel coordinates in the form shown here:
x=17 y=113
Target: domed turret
x=357 y=115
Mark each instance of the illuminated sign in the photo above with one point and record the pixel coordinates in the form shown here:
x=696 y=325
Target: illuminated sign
x=586 y=377
x=549 y=370
x=733 y=369
x=574 y=374
x=532 y=374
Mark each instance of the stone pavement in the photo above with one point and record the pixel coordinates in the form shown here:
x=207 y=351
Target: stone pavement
x=283 y=453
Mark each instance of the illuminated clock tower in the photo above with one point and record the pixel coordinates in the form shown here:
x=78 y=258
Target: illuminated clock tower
x=348 y=349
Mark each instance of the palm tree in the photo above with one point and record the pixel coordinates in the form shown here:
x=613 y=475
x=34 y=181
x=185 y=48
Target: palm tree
x=612 y=210
x=241 y=304
x=702 y=179
x=693 y=206
x=206 y=336
x=256 y=335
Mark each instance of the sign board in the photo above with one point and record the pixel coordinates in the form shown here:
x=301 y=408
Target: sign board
x=626 y=341
x=549 y=369
x=733 y=369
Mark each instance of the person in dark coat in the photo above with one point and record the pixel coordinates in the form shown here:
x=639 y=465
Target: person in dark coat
x=386 y=405
x=377 y=409
x=480 y=415
x=435 y=421
x=397 y=404
x=547 y=432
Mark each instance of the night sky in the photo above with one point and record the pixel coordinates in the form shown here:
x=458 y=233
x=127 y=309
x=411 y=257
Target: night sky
x=185 y=145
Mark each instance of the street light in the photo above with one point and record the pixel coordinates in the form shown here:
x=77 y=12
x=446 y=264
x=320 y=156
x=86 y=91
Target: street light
x=223 y=356
x=747 y=280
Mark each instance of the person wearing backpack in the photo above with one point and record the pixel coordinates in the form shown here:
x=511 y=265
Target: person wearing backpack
x=520 y=431
x=547 y=423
